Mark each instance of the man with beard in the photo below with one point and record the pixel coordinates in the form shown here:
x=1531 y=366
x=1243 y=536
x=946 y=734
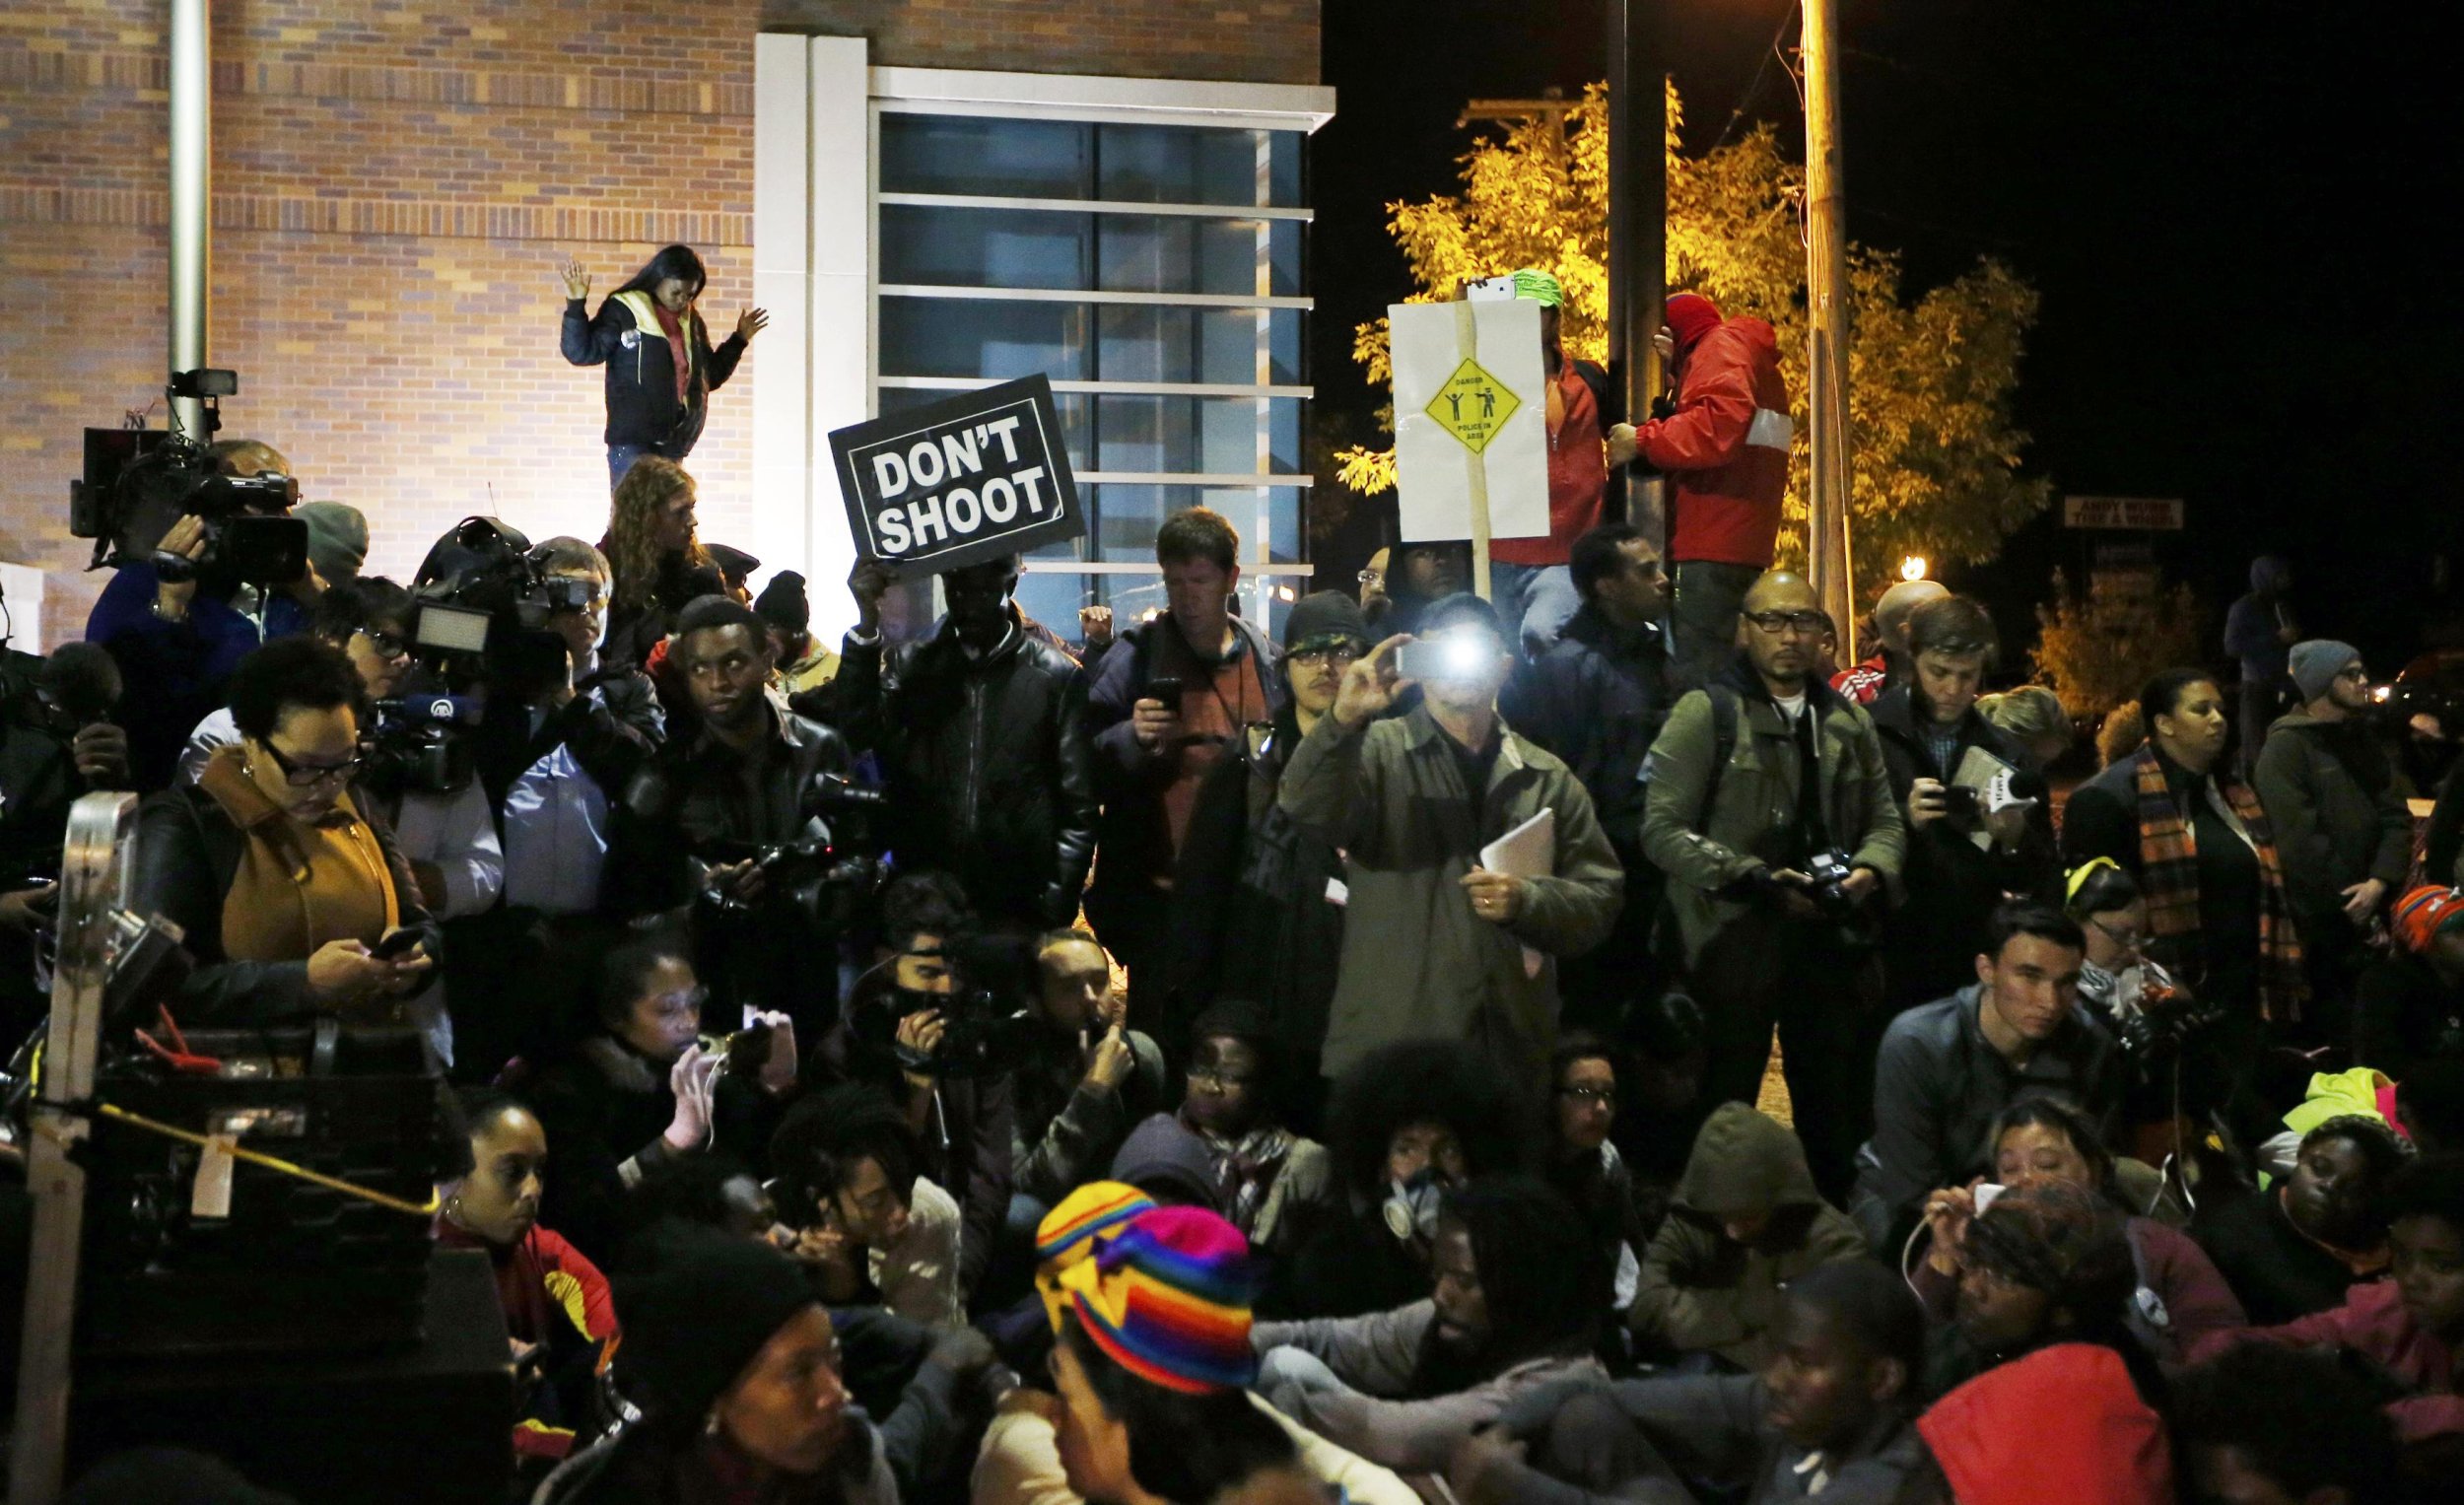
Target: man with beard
x=981 y=733
x=1512 y=1311
x=1830 y=1413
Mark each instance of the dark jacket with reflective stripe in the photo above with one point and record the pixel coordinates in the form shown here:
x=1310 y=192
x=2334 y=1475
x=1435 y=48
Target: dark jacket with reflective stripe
x=641 y=407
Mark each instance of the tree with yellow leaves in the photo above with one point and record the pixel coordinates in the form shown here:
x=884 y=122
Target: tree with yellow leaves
x=1934 y=446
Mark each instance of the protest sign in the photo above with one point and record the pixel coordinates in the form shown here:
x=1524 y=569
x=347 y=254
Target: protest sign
x=1470 y=423
x=972 y=477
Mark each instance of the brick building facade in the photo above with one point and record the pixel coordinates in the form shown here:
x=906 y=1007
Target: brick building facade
x=395 y=182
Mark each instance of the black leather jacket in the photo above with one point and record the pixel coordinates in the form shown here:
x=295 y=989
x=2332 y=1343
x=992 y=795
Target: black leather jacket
x=989 y=760
x=699 y=794
x=188 y=851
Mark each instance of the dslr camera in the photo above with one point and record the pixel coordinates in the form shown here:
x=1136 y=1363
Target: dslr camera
x=986 y=1027
x=139 y=482
x=1830 y=871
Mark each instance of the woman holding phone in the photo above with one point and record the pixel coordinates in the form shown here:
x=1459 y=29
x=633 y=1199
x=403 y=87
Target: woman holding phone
x=294 y=900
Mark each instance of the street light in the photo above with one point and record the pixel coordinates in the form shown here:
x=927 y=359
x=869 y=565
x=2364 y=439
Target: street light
x=1912 y=566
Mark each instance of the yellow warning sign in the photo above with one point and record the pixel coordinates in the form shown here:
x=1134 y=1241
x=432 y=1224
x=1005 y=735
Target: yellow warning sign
x=1472 y=405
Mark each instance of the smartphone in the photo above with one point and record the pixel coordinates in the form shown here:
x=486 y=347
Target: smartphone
x=1165 y=688
x=1960 y=799
x=395 y=944
x=1985 y=1194
x=1444 y=657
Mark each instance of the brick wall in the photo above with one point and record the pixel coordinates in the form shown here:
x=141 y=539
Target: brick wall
x=395 y=182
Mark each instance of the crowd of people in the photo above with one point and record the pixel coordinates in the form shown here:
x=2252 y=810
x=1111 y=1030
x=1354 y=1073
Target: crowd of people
x=1208 y=1063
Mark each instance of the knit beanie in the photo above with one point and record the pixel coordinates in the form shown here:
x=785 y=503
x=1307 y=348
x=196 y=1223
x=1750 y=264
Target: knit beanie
x=2316 y=663
x=697 y=1305
x=1323 y=619
x=337 y=539
x=1167 y=1298
x=1070 y=1233
x=782 y=603
x=1690 y=316
x=2062 y=1426
x=2424 y=915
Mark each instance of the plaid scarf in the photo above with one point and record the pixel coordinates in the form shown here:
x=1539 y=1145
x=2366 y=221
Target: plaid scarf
x=1245 y=1170
x=2169 y=861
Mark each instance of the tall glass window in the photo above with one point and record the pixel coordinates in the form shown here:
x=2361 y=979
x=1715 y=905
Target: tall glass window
x=1158 y=275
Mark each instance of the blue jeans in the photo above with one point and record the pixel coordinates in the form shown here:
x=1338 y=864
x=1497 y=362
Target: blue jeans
x=620 y=458
x=1534 y=602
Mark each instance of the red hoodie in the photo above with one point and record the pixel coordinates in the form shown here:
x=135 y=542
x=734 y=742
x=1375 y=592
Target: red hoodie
x=1727 y=472
x=2062 y=1427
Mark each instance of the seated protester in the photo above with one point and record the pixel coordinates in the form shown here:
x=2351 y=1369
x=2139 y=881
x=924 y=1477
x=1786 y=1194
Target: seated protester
x=1947 y=1068
x=1022 y=1459
x=1660 y=1100
x=1745 y=1221
x=448 y=836
x=890 y=1038
x=1166 y=1162
x=934 y=1390
x=1412 y=1121
x=1583 y=1162
x=2429 y=1106
x=2411 y=1327
x=292 y=898
x=638 y=1088
x=2296 y=1248
x=2065 y=1424
x=735 y=1369
x=2048 y=1263
x=1962 y=859
x=2263 y=1423
x=695 y=816
x=2182 y=1298
x=557 y=1308
x=1831 y=1412
x=1258 y=903
x=2408 y=1005
x=554 y=757
x=876 y=1232
x=1087 y=1078
x=1262 y=1179
x=1512 y=1312
x=2116 y=978
x=2175 y=817
x=800 y=661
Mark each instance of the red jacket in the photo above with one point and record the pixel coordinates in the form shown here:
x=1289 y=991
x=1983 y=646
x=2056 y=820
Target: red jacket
x=2373 y=1323
x=1578 y=474
x=1727 y=474
x=555 y=1297
x=2060 y=1426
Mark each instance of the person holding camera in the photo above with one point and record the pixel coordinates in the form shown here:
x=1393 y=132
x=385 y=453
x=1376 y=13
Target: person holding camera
x=1434 y=943
x=982 y=732
x=932 y=1026
x=1769 y=811
x=58 y=741
x=293 y=898
x=707 y=819
x=660 y=366
x=1976 y=805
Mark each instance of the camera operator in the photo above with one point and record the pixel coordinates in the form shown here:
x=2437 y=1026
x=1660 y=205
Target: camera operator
x=1775 y=860
x=176 y=641
x=57 y=742
x=703 y=816
x=982 y=732
x=939 y=1025
x=1929 y=725
x=292 y=899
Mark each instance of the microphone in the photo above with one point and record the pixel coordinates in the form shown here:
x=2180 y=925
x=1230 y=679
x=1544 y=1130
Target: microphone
x=82 y=680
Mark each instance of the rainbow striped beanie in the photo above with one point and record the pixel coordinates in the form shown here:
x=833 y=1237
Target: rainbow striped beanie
x=1167 y=1298
x=1069 y=1232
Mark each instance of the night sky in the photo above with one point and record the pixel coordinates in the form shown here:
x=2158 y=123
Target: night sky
x=2236 y=215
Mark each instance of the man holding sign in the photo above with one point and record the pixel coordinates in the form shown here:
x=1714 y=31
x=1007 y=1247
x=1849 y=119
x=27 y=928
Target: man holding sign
x=1435 y=943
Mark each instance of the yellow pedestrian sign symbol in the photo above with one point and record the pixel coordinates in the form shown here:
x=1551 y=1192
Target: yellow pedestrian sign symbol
x=1472 y=405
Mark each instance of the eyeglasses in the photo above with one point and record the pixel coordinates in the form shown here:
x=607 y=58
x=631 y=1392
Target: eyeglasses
x=1218 y=1078
x=2128 y=941
x=308 y=776
x=1373 y=576
x=1327 y=657
x=1591 y=1097
x=1777 y=622
x=388 y=645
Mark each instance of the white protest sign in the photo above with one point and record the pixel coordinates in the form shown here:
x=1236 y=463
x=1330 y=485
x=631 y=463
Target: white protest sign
x=1470 y=420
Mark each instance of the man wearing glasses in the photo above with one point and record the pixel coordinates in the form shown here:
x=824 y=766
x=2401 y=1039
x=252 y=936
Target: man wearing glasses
x=1257 y=901
x=1595 y=698
x=1762 y=787
x=2343 y=832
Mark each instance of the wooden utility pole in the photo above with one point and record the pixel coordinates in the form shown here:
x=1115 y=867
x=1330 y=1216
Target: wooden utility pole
x=1826 y=290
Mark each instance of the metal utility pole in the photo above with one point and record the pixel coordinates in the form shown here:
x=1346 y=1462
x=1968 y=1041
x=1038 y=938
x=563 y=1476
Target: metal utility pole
x=192 y=187
x=1638 y=231
x=1826 y=289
